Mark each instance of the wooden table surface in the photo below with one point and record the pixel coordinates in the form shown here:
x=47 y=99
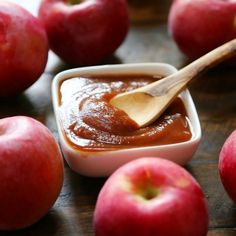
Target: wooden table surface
x=214 y=95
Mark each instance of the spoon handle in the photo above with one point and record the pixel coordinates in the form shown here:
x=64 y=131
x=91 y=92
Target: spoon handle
x=179 y=80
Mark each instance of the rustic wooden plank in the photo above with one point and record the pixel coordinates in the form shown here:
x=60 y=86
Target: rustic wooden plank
x=222 y=232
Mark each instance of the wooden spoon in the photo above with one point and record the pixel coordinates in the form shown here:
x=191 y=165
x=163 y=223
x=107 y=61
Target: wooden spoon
x=144 y=105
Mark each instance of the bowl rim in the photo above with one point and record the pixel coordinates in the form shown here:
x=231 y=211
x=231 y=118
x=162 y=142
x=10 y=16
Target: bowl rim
x=124 y=69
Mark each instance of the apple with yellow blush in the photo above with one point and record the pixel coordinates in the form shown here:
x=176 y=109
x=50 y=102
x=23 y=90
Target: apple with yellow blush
x=151 y=196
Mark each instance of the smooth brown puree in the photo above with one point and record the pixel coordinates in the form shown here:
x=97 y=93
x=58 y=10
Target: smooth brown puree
x=90 y=123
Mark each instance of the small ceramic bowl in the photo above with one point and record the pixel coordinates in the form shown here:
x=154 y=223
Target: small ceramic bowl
x=103 y=163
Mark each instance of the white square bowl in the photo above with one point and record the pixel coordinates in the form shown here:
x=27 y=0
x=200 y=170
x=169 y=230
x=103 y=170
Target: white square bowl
x=103 y=163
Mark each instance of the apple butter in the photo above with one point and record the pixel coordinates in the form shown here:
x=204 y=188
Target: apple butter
x=91 y=123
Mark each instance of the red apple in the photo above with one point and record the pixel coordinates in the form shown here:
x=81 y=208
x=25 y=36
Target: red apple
x=151 y=196
x=84 y=32
x=31 y=172
x=23 y=48
x=199 y=26
x=227 y=165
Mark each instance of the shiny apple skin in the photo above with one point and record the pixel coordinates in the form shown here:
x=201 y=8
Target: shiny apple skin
x=23 y=49
x=85 y=33
x=31 y=172
x=199 y=26
x=227 y=165
x=151 y=196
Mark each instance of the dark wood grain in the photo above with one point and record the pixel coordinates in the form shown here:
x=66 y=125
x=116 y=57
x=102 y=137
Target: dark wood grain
x=214 y=94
